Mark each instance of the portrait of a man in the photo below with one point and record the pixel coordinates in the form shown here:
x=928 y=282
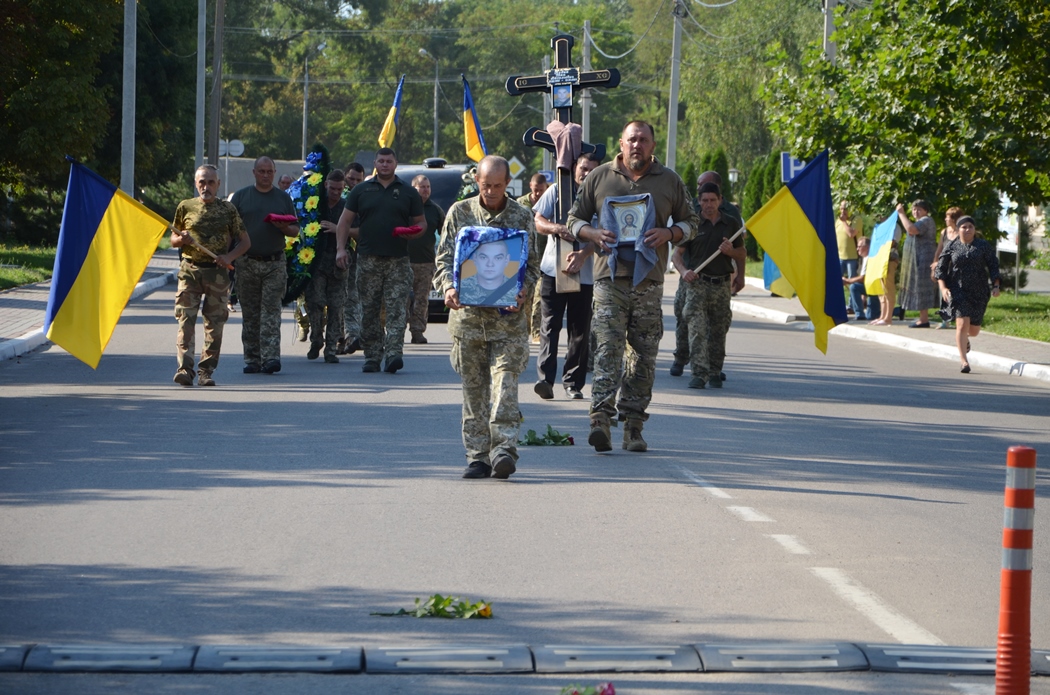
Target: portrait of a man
x=489 y=285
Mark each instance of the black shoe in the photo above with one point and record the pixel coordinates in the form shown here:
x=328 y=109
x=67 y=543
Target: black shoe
x=419 y=339
x=544 y=390
x=503 y=467
x=370 y=366
x=573 y=393
x=677 y=368
x=965 y=369
x=252 y=368
x=394 y=364
x=331 y=359
x=477 y=469
x=715 y=382
x=314 y=352
x=354 y=346
x=271 y=366
x=697 y=383
x=722 y=376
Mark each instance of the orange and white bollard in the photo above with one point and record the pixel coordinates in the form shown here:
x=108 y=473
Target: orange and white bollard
x=1013 y=659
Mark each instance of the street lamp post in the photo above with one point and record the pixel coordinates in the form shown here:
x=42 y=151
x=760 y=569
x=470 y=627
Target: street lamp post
x=423 y=52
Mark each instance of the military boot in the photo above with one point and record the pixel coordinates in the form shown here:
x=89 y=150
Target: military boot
x=632 y=436
x=600 y=438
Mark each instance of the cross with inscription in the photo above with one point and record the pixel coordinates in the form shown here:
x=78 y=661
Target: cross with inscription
x=561 y=82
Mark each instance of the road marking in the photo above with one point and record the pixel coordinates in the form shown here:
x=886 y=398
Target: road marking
x=874 y=608
x=711 y=489
x=790 y=544
x=749 y=514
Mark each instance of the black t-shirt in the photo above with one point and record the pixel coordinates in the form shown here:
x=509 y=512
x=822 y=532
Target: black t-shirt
x=708 y=238
x=422 y=249
x=379 y=210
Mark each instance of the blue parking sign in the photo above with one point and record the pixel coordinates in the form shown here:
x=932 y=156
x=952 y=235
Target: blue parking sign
x=789 y=167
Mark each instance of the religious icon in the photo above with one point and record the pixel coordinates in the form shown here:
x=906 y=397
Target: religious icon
x=561 y=96
x=629 y=216
x=490 y=266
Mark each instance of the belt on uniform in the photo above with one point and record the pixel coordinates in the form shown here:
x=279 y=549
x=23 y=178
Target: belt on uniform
x=200 y=264
x=271 y=257
x=715 y=279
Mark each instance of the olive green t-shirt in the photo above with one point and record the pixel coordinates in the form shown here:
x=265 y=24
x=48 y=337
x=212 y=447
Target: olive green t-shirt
x=213 y=225
x=253 y=206
x=379 y=210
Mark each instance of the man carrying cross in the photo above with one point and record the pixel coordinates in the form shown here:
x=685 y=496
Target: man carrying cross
x=628 y=279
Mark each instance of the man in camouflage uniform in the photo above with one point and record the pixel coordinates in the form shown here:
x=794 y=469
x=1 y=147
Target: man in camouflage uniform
x=707 y=300
x=326 y=292
x=384 y=276
x=421 y=254
x=490 y=347
x=627 y=310
x=681 y=332
x=534 y=312
x=351 y=342
x=262 y=274
x=215 y=225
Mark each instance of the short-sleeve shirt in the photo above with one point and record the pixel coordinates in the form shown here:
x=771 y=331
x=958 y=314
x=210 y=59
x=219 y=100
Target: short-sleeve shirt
x=213 y=225
x=422 y=249
x=253 y=206
x=379 y=209
x=708 y=238
x=547 y=206
x=847 y=244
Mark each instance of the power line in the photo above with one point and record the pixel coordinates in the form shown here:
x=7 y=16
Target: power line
x=631 y=49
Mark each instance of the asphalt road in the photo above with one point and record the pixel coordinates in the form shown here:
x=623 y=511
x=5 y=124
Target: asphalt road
x=850 y=497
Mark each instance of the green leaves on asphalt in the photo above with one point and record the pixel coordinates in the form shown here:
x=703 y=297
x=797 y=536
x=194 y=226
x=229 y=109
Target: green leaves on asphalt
x=552 y=438
x=438 y=606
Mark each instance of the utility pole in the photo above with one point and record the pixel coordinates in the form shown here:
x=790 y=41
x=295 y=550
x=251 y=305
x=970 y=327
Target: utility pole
x=216 y=85
x=127 y=111
x=829 y=29
x=585 y=95
x=672 y=104
x=202 y=50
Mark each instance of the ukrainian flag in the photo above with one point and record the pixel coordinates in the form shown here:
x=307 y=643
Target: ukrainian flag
x=797 y=229
x=104 y=245
x=472 y=136
x=386 y=136
x=879 y=255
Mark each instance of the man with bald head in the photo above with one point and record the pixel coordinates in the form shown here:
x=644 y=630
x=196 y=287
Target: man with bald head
x=490 y=346
x=262 y=276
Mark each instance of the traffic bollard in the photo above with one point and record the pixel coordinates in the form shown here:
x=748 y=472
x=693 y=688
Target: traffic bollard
x=1013 y=659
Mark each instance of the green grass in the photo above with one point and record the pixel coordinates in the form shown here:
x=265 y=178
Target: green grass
x=1024 y=316
x=22 y=265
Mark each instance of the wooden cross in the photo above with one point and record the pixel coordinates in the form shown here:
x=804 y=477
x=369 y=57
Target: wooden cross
x=561 y=82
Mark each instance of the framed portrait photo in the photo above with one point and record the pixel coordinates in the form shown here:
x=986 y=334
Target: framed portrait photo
x=490 y=266
x=561 y=96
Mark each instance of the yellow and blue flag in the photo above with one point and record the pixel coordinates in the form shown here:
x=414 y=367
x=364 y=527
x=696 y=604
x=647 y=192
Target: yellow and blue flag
x=472 y=136
x=386 y=136
x=879 y=255
x=105 y=243
x=797 y=229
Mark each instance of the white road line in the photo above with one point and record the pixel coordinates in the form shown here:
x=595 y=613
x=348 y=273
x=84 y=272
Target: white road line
x=749 y=514
x=711 y=489
x=790 y=544
x=872 y=607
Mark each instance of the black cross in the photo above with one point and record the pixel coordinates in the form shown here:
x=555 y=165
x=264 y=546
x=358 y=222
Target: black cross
x=561 y=82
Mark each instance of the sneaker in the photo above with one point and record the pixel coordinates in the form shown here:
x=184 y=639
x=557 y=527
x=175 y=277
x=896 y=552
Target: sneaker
x=394 y=364
x=204 y=379
x=715 y=382
x=632 y=437
x=544 y=390
x=419 y=339
x=354 y=346
x=370 y=366
x=252 y=368
x=573 y=393
x=677 y=368
x=314 y=352
x=183 y=378
x=477 y=469
x=696 y=382
x=271 y=366
x=599 y=437
x=331 y=359
x=503 y=466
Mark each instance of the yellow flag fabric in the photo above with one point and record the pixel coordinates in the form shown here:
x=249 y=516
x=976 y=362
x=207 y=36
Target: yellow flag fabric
x=386 y=135
x=106 y=241
x=879 y=255
x=472 y=137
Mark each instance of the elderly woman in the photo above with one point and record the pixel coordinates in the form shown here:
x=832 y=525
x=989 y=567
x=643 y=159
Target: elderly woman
x=918 y=291
x=963 y=271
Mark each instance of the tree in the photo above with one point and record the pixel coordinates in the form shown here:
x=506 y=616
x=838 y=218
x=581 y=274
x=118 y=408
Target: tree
x=950 y=105
x=720 y=165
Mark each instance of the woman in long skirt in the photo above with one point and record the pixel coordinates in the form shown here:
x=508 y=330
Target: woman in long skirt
x=963 y=273
x=918 y=290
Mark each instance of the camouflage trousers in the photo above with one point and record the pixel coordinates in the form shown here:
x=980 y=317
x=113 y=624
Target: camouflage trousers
x=627 y=326
x=422 y=279
x=383 y=281
x=490 y=371
x=681 y=326
x=260 y=287
x=352 y=305
x=213 y=286
x=708 y=316
x=326 y=292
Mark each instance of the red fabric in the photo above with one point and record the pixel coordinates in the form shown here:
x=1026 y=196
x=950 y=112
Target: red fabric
x=279 y=219
x=407 y=231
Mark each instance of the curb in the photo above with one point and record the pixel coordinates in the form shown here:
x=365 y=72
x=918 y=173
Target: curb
x=16 y=347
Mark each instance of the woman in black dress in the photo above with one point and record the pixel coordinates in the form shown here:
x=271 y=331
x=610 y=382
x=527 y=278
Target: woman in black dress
x=963 y=271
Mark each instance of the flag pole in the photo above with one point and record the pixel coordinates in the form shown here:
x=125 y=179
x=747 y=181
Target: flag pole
x=714 y=255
